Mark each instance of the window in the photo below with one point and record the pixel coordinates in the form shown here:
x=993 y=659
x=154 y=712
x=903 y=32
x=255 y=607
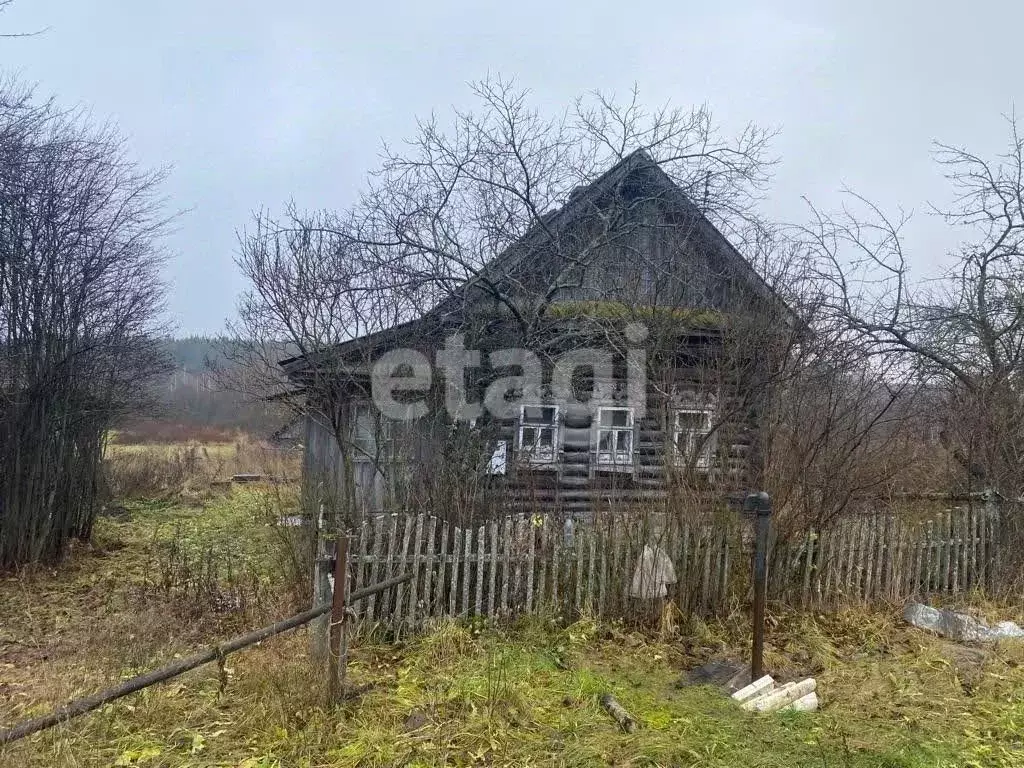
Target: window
x=367 y=428
x=615 y=436
x=538 y=433
x=690 y=436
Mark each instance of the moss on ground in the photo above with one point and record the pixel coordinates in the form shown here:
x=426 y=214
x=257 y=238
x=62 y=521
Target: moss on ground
x=469 y=694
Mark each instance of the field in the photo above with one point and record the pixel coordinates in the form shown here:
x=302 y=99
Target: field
x=199 y=563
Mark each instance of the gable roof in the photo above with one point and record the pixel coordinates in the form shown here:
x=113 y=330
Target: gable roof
x=448 y=314
x=659 y=182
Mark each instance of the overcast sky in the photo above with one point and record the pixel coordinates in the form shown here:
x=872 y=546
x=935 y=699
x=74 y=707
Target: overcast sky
x=253 y=103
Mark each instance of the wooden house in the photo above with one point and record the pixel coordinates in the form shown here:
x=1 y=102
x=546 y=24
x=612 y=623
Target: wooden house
x=628 y=266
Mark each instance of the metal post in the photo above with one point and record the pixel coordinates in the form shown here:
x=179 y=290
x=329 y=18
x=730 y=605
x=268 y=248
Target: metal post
x=337 y=663
x=761 y=505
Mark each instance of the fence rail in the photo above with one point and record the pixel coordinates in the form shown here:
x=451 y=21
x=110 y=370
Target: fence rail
x=523 y=564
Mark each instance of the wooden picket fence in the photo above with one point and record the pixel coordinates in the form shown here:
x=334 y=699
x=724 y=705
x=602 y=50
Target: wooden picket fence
x=524 y=564
x=881 y=557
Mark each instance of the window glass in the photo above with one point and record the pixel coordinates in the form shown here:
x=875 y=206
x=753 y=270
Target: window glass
x=692 y=438
x=537 y=438
x=615 y=436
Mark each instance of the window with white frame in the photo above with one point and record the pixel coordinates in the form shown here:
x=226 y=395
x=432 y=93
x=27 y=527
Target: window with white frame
x=537 y=441
x=615 y=436
x=691 y=430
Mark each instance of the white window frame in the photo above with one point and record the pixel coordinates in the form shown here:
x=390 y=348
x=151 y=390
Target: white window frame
x=537 y=454
x=615 y=457
x=693 y=437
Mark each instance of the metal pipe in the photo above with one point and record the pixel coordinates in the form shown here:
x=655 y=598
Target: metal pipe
x=81 y=706
x=762 y=524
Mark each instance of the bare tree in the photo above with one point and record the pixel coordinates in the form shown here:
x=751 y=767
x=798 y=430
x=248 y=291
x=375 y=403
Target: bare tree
x=79 y=297
x=439 y=211
x=507 y=226
x=962 y=333
x=422 y=240
x=4 y=5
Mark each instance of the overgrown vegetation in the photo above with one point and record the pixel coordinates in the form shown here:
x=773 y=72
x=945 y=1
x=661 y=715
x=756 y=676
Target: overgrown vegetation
x=80 y=294
x=192 y=471
x=462 y=694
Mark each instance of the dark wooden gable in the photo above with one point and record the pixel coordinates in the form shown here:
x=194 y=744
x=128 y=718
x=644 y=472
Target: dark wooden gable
x=631 y=236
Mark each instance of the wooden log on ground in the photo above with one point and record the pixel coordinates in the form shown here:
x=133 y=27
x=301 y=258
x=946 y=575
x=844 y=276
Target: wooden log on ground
x=808 y=703
x=626 y=721
x=781 y=697
x=757 y=688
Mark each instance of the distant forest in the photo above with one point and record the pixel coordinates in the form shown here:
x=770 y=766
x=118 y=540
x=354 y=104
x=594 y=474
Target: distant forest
x=192 y=404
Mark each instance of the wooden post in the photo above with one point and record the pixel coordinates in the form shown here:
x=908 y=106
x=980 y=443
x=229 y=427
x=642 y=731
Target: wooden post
x=760 y=504
x=339 y=635
x=321 y=584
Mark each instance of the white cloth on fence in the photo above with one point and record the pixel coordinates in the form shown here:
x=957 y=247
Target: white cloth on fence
x=653 y=572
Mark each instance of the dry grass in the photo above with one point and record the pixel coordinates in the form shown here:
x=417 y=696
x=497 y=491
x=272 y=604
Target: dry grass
x=463 y=694
x=192 y=472
x=528 y=696
x=156 y=431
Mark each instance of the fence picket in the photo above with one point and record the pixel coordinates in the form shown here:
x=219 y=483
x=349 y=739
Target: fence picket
x=453 y=576
x=415 y=568
x=358 y=575
x=505 y=564
x=883 y=555
x=995 y=537
x=822 y=554
x=705 y=584
x=870 y=523
x=849 y=537
x=371 y=601
x=976 y=540
x=528 y=566
x=899 y=576
x=933 y=557
x=492 y=566
x=834 y=551
x=578 y=581
x=726 y=548
x=808 y=558
x=954 y=527
x=891 y=553
x=555 y=543
x=621 y=540
x=863 y=552
x=480 y=544
x=467 y=557
x=390 y=547
x=518 y=532
x=542 y=565
x=947 y=548
x=919 y=560
x=684 y=567
x=984 y=560
x=591 y=562
x=428 y=569
x=407 y=525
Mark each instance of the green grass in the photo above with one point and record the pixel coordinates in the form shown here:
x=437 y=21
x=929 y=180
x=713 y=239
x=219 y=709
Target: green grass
x=464 y=694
